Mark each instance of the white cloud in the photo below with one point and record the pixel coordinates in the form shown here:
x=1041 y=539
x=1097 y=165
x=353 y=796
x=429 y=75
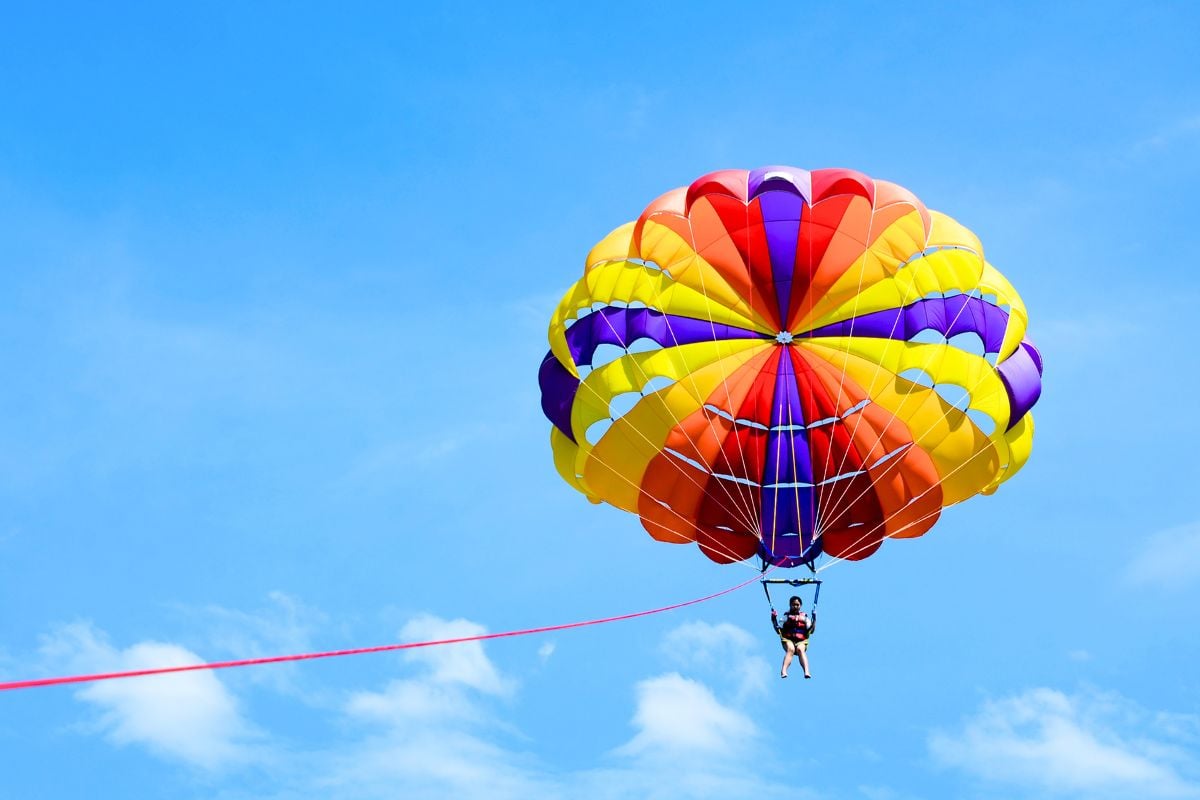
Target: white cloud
x=190 y=717
x=285 y=625
x=693 y=738
x=464 y=663
x=545 y=651
x=688 y=743
x=440 y=730
x=681 y=718
x=438 y=733
x=432 y=761
x=1087 y=745
x=452 y=678
x=723 y=651
x=1170 y=558
x=437 y=729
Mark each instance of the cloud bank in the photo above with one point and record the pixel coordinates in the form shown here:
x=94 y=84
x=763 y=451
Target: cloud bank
x=1085 y=745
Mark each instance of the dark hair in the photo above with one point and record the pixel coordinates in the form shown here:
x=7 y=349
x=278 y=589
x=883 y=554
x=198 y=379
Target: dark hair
x=796 y=598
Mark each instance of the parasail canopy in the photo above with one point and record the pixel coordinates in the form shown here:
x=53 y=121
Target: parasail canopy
x=784 y=364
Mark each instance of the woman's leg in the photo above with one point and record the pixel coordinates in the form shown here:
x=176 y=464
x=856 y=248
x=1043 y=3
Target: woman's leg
x=789 y=651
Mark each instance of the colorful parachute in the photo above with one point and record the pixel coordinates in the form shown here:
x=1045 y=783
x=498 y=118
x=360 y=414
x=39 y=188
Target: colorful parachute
x=786 y=363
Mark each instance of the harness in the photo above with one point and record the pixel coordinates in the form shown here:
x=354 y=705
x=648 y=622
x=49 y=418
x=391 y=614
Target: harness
x=801 y=631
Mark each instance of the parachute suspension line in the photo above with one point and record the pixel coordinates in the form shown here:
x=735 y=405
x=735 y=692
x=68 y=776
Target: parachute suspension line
x=892 y=418
x=740 y=511
x=834 y=560
x=837 y=559
x=855 y=548
x=215 y=665
x=747 y=500
x=756 y=497
x=733 y=557
x=645 y=438
x=839 y=493
x=775 y=481
x=862 y=271
x=795 y=477
x=747 y=496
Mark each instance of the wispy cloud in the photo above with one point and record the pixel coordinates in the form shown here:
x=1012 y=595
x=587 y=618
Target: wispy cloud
x=442 y=732
x=1181 y=129
x=283 y=625
x=721 y=650
x=435 y=730
x=681 y=718
x=689 y=741
x=464 y=663
x=442 y=729
x=1168 y=559
x=1089 y=744
x=189 y=717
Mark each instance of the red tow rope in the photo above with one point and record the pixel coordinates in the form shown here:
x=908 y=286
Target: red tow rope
x=138 y=673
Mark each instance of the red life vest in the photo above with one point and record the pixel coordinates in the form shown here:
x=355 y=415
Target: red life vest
x=795 y=627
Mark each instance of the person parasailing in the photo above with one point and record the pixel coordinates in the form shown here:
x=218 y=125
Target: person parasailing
x=793 y=634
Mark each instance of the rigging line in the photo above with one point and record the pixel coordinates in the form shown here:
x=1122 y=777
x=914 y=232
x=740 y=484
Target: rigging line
x=746 y=500
x=857 y=549
x=850 y=557
x=733 y=556
x=896 y=461
x=745 y=515
x=749 y=496
x=795 y=465
x=892 y=418
x=214 y=665
x=744 y=508
x=775 y=504
x=657 y=447
x=878 y=366
x=736 y=559
x=878 y=369
x=756 y=494
x=821 y=491
x=840 y=559
x=833 y=488
x=862 y=269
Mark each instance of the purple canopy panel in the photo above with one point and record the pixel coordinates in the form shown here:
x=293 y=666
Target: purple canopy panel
x=1034 y=353
x=778 y=178
x=623 y=326
x=558 y=393
x=949 y=316
x=1022 y=376
x=781 y=213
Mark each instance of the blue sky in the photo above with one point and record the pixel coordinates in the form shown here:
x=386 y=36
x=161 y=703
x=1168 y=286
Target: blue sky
x=274 y=285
